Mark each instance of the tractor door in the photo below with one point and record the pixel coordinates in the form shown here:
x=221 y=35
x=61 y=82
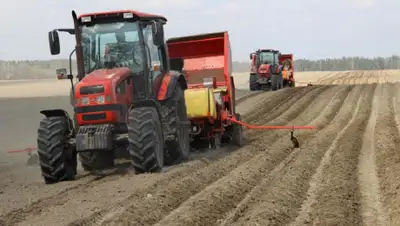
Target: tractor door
x=154 y=58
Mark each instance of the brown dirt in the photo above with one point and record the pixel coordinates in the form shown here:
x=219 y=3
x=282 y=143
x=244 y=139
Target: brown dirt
x=345 y=173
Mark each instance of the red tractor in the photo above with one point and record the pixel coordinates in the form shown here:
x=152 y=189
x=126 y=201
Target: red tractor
x=270 y=70
x=129 y=98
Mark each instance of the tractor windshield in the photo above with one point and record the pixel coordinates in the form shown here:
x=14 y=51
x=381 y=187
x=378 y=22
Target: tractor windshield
x=266 y=58
x=115 y=44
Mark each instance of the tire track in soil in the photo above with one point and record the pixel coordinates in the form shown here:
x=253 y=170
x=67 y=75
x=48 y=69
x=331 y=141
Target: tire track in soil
x=274 y=200
x=334 y=195
x=207 y=207
x=135 y=209
x=387 y=152
x=60 y=199
x=371 y=205
x=41 y=205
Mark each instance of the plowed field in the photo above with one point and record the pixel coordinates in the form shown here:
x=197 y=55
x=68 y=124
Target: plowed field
x=347 y=172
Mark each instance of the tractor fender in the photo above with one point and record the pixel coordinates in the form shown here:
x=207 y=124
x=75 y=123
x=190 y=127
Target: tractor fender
x=169 y=82
x=59 y=113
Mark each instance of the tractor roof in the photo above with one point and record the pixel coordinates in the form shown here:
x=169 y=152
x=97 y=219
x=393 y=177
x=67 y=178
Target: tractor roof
x=268 y=50
x=139 y=15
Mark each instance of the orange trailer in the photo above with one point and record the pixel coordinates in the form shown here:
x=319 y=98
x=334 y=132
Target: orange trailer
x=210 y=97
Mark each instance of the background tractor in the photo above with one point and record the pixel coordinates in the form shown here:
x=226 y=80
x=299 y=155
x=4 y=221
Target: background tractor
x=129 y=98
x=271 y=70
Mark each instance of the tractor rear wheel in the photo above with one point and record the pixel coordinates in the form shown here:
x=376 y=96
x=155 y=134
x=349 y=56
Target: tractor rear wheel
x=178 y=122
x=253 y=83
x=146 y=142
x=96 y=160
x=237 y=132
x=57 y=158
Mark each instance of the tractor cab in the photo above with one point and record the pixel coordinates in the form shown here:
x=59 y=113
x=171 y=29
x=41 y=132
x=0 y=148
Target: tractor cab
x=265 y=56
x=109 y=43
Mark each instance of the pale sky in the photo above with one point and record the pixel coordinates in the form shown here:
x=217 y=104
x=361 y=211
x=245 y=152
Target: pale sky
x=307 y=28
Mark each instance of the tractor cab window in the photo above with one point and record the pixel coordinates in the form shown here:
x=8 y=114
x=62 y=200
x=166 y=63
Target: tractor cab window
x=267 y=58
x=154 y=56
x=112 y=45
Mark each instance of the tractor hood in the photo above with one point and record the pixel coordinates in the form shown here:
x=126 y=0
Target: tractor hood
x=99 y=75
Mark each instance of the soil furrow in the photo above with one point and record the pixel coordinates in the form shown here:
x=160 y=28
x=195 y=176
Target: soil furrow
x=280 y=194
x=176 y=192
x=334 y=196
x=387 y=152
x=274 y=99
x=247 y=96
x=212 y=203
x=283 y=117
x=281 y=109
x=56 y=204
x=371 y=205
x=320 y=80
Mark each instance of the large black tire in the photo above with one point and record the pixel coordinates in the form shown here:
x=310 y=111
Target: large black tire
x=276 y=81
x=57 y=159
x=178 y=122
x=146 y=142
x=237 y=132
x=253 y=83
x=96 y=160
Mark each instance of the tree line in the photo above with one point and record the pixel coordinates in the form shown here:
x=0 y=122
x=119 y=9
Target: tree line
x=336 y=64
x=38 y=69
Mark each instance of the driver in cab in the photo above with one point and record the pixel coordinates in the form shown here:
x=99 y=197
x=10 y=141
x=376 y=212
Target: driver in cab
x=123 y=49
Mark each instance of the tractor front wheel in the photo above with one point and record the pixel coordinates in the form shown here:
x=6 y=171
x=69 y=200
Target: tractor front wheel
x=146 y=142
x=57 y=158
x=276 y=81
x=253 y=82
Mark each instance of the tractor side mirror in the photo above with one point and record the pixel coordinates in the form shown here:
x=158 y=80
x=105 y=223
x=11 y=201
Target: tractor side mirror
x=63 y=74
x=54 y=42
x=158 y=33
x=253 y=60
x=251 y=56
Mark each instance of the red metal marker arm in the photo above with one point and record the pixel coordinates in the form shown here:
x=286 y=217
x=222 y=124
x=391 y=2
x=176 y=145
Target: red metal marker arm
x=22 y=150
x=270 y=127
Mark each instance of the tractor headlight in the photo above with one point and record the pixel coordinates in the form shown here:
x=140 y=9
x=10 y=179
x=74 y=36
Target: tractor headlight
x=85 y=100
x=100 y=99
